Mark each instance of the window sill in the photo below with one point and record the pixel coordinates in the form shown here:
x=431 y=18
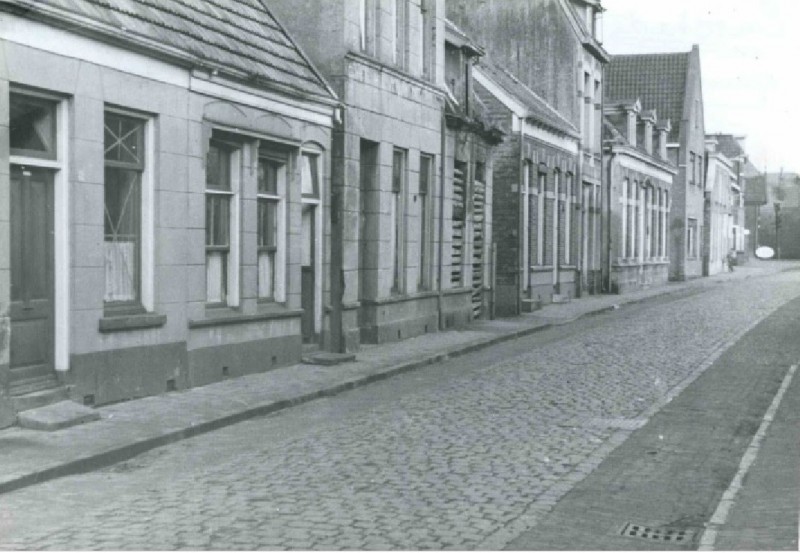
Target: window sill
x=122 y=323
x=227 y=317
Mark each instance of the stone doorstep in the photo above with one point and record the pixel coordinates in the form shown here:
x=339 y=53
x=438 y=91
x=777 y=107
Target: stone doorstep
x=56 y=416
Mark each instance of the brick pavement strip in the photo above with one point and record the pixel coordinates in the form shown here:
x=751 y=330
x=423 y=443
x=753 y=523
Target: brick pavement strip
x=483 y=455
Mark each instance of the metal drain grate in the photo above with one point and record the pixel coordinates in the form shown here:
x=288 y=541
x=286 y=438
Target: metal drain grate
x=654 y=533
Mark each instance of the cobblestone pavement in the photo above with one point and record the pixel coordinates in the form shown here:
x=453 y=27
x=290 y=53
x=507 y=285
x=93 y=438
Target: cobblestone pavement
x=441 y=460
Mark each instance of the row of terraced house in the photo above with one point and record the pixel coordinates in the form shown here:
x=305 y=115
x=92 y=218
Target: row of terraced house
x=192 y=191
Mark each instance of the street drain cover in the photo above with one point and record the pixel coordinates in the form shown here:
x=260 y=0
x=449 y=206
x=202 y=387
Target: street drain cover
x=655 y=533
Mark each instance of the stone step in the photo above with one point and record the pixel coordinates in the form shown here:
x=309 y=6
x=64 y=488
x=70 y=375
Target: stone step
x=56 y=416
x=36 y=393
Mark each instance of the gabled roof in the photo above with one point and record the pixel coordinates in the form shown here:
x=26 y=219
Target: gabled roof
x=538 y=109
x=237 y=37
x=658 y=79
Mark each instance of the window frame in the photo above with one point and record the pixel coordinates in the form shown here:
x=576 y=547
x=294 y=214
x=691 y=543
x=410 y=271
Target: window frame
x=142 y=300
x=277 y=199
x=426 y=195
x=231 y=271
x=399 y=216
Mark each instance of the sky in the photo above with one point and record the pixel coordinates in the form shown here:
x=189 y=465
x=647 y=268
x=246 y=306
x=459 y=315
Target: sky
x=748 y=54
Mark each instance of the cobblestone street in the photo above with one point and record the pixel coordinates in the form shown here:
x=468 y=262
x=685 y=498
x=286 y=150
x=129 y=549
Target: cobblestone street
x=453 y=456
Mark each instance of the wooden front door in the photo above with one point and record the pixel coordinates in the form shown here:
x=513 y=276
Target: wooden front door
x=32 y=326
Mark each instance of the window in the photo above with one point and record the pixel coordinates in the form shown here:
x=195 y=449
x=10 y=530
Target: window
x=558 y=222
x=426 y=38
x=529 y=207
x=32 y=126
x=692 y=164
x=122 y=198
x=541 y=228
x=625 y=208
x=221 y=185
x=425 y=179
x=309 y=186
x=569 y=191
x=400 y=12
x=366 y=23
x=691 y=238
x=637 y=219
x=398 y=219
x=270 y=192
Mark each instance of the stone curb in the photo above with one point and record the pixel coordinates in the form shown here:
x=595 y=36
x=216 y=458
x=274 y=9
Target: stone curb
x=119 y=454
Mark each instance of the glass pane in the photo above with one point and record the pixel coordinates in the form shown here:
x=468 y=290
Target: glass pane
x=217 y=220
x=32 y=125
x=424 y=174
x=397 y=171
x=216 y=276
x=268 y=176
x=266 y=274
x=267 y=223
x=122 y=229
x=310 y=176
x=124 y=139
x=122 y=200
x=218 y=168
x=121 y=271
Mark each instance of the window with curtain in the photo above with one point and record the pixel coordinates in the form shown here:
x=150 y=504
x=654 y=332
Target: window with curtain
x=271 y=186
x=122 y=199
x=219 y=194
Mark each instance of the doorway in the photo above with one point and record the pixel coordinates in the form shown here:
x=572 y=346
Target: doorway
x=32 y=279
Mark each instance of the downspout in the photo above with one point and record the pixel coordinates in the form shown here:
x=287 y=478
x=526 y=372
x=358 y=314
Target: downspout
x=522 y=271
x=442 y=173
x=611 y=157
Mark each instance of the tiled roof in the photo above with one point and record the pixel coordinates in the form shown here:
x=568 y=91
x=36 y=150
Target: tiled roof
x=727 y=145
x=239 y=34
x=659 y=80
x=538 y=108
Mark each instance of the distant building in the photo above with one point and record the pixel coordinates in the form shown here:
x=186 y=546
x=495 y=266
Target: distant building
x=671 y=84
x=543 y=74
x=724 y=229
x=168 y=177
x=640 y=178
x=779 y=221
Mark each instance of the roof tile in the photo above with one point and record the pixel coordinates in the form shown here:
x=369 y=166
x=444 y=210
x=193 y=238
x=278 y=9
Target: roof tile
x=240 y=34
x=659 y=80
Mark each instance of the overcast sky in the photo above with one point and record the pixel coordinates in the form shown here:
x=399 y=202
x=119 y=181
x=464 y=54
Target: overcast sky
x=748 y=56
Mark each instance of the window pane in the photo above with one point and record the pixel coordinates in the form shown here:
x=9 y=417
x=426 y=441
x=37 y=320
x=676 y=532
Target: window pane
x=266 y=274
x=397 y=171
x=124 y=139
x=424 y=174
x=32 y=125
x=216 y=276
x=217 y=220
x=267 y=223
x=268 y=176
x=122 y=229
x=310 y=176
x=218 y=168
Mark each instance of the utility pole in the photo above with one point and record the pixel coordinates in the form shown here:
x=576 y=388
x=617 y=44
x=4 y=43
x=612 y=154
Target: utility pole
x=777 y=229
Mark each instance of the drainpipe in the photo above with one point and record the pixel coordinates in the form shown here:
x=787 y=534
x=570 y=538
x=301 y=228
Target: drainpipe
x=607 y=218
x=442 y=174
x=522 y=271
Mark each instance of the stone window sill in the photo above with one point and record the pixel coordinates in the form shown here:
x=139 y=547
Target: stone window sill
x=139 y=321
x=233 y=318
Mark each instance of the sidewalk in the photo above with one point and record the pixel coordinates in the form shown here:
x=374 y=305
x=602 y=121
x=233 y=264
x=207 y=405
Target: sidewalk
x=127 y=429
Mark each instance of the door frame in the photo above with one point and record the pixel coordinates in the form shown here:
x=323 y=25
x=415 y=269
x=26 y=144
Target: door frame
x=61 y=228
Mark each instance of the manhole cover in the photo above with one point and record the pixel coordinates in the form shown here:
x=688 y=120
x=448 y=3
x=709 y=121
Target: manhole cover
x=655 y=533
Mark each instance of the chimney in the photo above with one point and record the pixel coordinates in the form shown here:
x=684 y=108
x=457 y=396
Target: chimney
x=663 y=129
